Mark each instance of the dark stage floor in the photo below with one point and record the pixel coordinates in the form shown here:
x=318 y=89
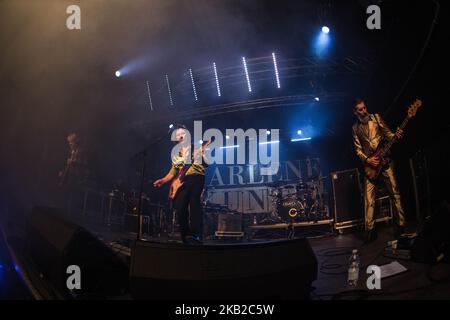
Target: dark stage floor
x=421 y=281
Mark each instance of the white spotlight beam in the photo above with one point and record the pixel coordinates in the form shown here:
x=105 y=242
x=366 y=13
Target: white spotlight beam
x=168 y=89
x=217 y=79
x=269 y=142
x=149 y=96
x=228 y=147
x=276 y=69
x=193 y=85
x=300 y=139
x=246 y=75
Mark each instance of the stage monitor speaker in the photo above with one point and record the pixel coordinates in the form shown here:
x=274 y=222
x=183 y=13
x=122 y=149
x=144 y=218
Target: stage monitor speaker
x=54 y=243
x=348 y=203
x=229 y=222
x=276 y=269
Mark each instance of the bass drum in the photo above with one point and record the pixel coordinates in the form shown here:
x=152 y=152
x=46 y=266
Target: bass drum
x=291 y=209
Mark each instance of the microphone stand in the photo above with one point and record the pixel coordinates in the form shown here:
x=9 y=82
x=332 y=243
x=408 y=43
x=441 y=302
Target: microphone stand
x=143 y=153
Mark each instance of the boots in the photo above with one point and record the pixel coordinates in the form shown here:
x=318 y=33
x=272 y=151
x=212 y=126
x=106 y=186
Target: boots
x=398 y=231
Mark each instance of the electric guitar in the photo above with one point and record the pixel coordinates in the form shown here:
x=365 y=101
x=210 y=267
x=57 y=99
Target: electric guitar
x=177 y=182
x=372 y=172
x=69 y=164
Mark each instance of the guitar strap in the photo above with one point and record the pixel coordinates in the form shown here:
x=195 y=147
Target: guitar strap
x=387 y=155
x=376 y=119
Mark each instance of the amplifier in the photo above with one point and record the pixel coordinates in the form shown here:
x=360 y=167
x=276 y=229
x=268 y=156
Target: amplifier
x=229 y=225
x=347 y=197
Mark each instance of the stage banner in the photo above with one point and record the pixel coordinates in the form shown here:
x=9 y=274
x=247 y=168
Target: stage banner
x=242 y=188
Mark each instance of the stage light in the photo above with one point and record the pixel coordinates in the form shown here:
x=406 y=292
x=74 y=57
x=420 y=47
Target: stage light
x=171 y=126
x=268 y=132
x=228 y=147
x=200 y=141
x=217 y=79
x=227 y=137
x=193 y=85
x=149 y=96
x=269 y=142
x=299 y=132
x=276 y=69
x=317 y=98
x=117 y=73
x=246 y=75
x=321 y=42
x=168 y=89
x=300 y=139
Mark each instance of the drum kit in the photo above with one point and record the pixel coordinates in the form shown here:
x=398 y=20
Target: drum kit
x=293 y=202
x=300 y=202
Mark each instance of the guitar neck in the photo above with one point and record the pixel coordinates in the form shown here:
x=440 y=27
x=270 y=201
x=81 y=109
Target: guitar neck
x=388 y=145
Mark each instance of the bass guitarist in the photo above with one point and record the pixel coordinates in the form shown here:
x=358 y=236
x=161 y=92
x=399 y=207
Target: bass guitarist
x=187 y=201
x=368 y=133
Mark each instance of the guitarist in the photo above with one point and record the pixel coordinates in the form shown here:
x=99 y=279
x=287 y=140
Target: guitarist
x=76 y=171
x=74 y=177
x=187 y=201
x=368 y=132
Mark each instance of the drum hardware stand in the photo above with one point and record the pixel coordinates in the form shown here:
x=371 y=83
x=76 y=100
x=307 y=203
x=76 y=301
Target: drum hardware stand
x=162 y=221
x=174 y=222
x=291 y=230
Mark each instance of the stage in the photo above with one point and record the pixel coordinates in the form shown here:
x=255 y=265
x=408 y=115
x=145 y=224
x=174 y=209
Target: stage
x=332 y=251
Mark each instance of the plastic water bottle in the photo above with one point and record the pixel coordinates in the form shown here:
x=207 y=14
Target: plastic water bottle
x=353 y=269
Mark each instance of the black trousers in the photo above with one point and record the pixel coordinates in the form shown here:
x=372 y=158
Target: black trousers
x=188 y=206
